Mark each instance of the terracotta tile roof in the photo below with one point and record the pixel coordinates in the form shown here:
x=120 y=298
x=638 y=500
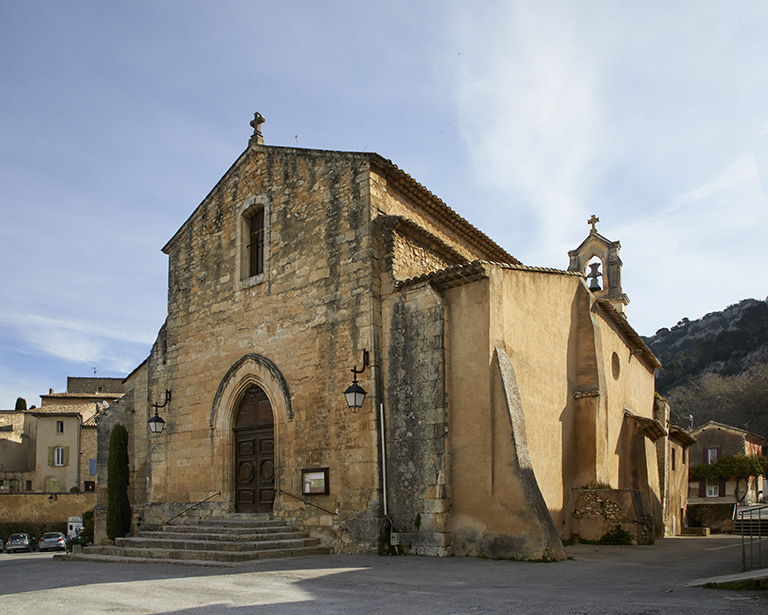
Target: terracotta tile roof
x=86 y=410
x=436 y=205
x=744 y=432
x=683 y=437
x=632 y=335
x=92 y=421
x=67 y=395
x=476 y=270
x=449 y=277
x=394 y=174
x=652 y=427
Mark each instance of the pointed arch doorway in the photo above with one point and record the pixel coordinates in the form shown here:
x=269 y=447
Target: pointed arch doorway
x=254 y=435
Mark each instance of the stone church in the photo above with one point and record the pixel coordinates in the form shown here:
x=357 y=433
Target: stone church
x=503 y=404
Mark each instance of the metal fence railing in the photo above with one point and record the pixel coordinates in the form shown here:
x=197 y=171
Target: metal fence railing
x=752 y=523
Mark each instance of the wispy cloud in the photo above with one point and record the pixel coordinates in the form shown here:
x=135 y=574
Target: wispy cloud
x=741 y=170
x=46 y=323
x=532 y=112
x=82 y=345
x=636 y=114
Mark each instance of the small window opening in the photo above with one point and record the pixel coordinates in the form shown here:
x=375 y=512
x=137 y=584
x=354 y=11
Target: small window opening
x=674 y=460
x=58 y=456
x=256 y=243
x=713 y=488
x=59 y=426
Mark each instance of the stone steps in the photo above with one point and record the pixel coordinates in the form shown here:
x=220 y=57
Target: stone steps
x=223 y=540
x=751 y=527
x=222 y=537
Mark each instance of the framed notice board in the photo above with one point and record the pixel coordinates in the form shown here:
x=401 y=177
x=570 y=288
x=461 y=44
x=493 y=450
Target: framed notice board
x=314 y=481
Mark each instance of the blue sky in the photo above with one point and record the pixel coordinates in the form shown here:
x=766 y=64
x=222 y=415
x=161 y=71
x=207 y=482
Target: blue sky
x=117 y=118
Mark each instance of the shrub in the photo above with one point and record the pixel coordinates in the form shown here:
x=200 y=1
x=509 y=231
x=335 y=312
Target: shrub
x=618 y=536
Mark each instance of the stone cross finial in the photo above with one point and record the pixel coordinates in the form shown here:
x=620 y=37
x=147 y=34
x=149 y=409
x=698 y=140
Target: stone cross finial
x=593 y=221
x=256 y=122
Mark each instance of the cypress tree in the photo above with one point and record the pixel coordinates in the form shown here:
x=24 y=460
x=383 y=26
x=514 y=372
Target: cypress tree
x=118 y=506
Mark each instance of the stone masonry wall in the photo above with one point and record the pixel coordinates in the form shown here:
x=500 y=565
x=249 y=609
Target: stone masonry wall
x=308 y=315
x=416 y=405
x=37 y=508
x=597 y=512
x=412 y=259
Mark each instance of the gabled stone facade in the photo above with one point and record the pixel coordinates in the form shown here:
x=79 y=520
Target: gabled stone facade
x=494 y=389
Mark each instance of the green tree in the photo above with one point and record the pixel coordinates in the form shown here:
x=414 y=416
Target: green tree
x=118 y=506
x=21 y=404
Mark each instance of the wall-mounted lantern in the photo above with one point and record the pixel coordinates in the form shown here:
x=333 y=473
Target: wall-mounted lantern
x=156 y=424
x=355 y=394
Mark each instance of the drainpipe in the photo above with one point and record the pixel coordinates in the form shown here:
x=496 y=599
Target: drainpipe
x=384 y=465
x=80 y=452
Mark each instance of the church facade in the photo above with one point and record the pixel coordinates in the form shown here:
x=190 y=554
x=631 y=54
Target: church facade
x=502 y=402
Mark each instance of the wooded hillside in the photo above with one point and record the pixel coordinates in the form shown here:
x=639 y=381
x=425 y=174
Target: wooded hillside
x=716 y=367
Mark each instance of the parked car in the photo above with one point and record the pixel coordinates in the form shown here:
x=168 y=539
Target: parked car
x=51 y=541
x=18 y=542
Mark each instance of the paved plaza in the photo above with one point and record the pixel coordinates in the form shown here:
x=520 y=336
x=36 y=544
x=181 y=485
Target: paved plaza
x=596 y=579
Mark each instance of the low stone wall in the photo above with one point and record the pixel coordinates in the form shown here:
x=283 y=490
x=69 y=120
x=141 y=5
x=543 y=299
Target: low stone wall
x=597 y=512
x=38 y=508
x=717 y=517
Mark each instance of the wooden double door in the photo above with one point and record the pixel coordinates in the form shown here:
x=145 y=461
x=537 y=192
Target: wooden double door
x=254 y=434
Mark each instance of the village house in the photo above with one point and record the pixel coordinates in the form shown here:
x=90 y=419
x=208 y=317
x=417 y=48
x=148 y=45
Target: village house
x=712 y=500
x=52 y=449
x=673 y=458
x=507 y=406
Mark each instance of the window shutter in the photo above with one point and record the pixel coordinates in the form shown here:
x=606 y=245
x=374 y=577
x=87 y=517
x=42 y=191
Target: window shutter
x=65 y=456
x=92 y=467
x=50 y=455
x=721 y=487
x=702 y=487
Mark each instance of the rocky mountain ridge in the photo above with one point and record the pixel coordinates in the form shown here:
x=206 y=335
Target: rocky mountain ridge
x=728 y=342
x=716 y=367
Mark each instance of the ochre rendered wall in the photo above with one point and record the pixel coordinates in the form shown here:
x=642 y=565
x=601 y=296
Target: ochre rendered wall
x=541 y=341
x=557 y=350
x=46 y=473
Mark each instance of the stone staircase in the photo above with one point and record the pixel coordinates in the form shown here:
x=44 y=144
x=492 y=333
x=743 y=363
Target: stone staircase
x=751 y=527
x=222 y=541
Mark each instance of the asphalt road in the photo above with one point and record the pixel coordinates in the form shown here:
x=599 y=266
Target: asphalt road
x=622 y=580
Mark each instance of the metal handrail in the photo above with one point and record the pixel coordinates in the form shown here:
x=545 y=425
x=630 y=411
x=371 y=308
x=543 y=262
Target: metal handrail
x=188 y=508
x=296 y=497
x=750 y=510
